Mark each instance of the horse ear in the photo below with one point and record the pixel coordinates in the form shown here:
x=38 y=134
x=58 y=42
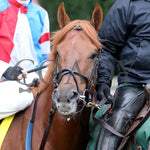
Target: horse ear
x=97 y=17
x=62 y=17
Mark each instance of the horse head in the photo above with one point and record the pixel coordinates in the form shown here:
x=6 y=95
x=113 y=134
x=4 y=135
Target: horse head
x=76 y=48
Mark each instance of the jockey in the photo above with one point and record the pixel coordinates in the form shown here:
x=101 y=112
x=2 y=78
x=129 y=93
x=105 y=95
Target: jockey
x=24 y=45
x=125 y=34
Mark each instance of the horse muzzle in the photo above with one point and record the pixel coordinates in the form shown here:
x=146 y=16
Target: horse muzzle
x=66 y=101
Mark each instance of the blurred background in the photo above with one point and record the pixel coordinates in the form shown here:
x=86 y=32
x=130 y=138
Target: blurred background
x=76 y=9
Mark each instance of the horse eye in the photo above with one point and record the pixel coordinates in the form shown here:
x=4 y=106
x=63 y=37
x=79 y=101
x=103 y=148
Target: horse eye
x=93 y=55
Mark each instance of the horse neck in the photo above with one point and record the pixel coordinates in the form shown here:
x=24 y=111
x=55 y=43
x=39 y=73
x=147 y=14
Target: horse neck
x=44 y=104
x=69 y=134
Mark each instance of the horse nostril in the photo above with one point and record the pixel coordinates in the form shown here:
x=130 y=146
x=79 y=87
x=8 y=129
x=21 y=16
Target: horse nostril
x=58 y=100
x=68 y=100
x=73 y=95
x=55 y=94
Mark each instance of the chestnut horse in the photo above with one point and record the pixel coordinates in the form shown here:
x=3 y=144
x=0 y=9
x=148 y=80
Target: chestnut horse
x=72 y=67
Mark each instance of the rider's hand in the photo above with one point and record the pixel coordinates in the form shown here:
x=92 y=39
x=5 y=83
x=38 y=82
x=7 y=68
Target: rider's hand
x=13 y=73
x=103 y=91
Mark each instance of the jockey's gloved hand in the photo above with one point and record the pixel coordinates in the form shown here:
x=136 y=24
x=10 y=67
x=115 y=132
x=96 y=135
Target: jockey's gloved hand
x=12 y=73
x=103 y=91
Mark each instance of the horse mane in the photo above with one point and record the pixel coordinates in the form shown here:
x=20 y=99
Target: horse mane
x=87 y=28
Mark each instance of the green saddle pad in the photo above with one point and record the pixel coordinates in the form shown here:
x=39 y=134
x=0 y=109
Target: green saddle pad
x=94 y=129
x=142 y=136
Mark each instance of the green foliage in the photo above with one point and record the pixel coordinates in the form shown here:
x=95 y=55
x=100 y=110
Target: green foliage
x=76 y=9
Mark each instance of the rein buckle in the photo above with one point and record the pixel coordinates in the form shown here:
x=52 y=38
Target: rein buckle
x=90 y=104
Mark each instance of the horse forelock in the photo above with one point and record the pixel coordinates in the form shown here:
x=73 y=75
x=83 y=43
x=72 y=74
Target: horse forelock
x=87 y=28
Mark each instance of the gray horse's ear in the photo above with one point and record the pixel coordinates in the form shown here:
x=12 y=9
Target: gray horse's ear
x=62 y=17
x=97 y=17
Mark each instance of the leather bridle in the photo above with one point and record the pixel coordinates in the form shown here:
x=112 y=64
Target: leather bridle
x=90 y=81
x=86 y=97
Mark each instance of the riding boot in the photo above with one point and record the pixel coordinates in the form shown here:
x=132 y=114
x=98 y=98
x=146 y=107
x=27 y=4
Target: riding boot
x=128 y=102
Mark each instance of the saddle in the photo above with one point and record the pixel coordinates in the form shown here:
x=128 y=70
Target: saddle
x=139 y=121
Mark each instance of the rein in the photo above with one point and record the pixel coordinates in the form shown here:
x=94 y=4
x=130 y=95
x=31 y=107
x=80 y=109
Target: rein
x=57 y=79
x=86 y=98
x=47 y=129
x=31 y=124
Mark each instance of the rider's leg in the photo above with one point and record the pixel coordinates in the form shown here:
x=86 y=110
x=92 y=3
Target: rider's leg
x=128 y=103
x=14 y=98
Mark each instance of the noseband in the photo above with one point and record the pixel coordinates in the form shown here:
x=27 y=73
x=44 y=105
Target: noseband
x=90 y=81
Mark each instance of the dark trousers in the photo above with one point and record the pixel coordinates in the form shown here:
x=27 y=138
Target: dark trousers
x=129 y=100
